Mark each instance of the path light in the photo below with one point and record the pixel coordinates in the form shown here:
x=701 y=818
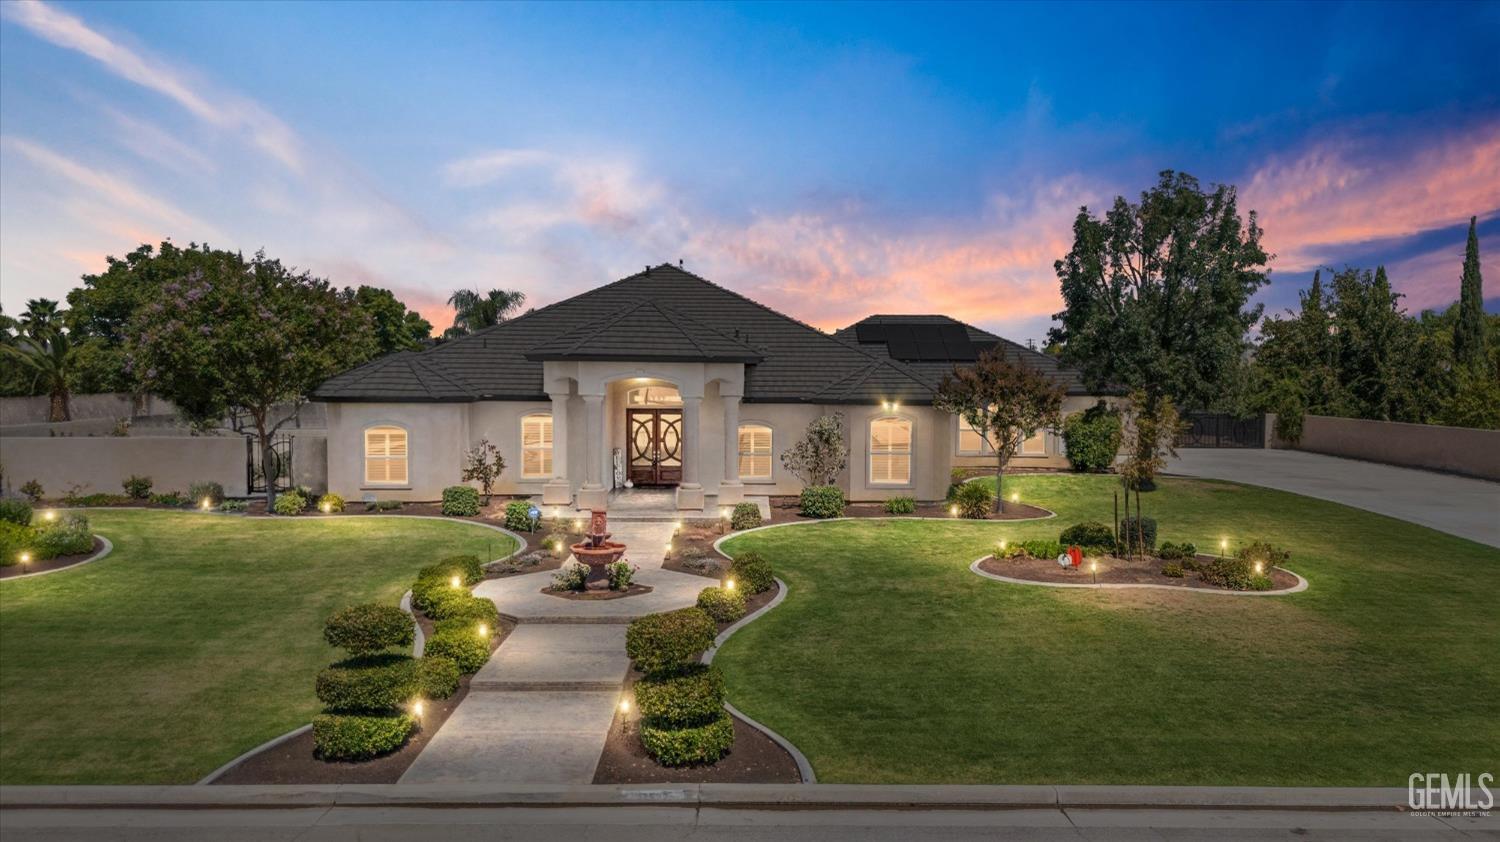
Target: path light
x=484 y=631
x=25 y=559
x=49 y=515
x=677 y=527
x=1094 y=569
x=326 y=507
x=953 y=511
x=416 y=708
x=1015 y=497
x=577 y=525
x=455 y=582
x=728 y=584
x=1223 y=546
x=1002 y=545
x=624 y=706
x=1258 y=568
x=206 y=504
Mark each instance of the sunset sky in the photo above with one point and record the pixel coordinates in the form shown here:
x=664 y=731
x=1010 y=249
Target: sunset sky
x=831 y=161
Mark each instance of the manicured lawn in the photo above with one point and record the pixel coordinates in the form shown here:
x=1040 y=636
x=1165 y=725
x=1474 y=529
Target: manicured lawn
x=196 y=639
x=890 y=662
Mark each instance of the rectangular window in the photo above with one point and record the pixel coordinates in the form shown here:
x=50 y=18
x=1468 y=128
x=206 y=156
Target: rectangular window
x=536 y=446
x=755 y=451
x=1036 y=445
x=385 y=456
x=970 y=443
x=890 y=451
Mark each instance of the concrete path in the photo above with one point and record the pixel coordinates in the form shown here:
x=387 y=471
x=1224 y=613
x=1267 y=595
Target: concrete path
x=539 y=711
x=1469 y=508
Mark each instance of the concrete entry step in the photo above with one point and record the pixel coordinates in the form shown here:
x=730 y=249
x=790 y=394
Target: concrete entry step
x=563 y=657
x=542 y=686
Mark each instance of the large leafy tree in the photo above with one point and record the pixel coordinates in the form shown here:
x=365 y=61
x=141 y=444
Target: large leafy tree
x=1005 y=401
x=1469 y=333
x=474 y=311
x=1157 y=292
x=396 y=328
x=245 y=337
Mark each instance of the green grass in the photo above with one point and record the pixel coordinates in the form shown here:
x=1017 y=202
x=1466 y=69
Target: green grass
x=891 y=662
x=196 y=639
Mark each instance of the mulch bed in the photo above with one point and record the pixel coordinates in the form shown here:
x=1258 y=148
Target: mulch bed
x=592 y=596
x=786 y=510
x=293 y=762
x=1113 y=571
x=57 y=563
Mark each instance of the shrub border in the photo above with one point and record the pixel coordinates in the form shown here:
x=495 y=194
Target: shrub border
x=1302 y=584
x=103 y=551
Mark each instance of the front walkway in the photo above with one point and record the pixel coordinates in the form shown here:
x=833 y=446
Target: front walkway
x=539 y=711
x=1469 y=508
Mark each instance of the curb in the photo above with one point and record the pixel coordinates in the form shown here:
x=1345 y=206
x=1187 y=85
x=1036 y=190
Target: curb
x=219 y=772
x=804 y=766
x=1301 y=585
x=103 y=551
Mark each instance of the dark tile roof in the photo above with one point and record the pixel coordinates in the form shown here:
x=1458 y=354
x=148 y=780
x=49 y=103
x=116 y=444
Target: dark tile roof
x=664 y=313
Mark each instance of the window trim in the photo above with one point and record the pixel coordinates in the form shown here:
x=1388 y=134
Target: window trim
x=365 y=456
x=770 y=476
x=1022 y=451
x=986 y=447
x=547 y=448
x=910 y=452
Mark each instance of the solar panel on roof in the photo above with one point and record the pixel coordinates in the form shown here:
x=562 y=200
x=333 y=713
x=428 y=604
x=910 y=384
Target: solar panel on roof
x=870 y=332
x=929 y=343
x=901 y=342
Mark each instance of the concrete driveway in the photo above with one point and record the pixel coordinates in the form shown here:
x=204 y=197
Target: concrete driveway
x=1469 y=508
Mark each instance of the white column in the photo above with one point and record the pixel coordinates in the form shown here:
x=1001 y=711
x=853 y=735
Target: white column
x=593 y=495
x=731 y=490
x=558 y=490
x=690 y=493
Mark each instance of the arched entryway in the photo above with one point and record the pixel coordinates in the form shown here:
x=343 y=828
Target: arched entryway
x=653 y=436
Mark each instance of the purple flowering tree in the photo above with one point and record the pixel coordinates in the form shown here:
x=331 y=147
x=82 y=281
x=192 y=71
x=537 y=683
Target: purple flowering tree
x=252 y=338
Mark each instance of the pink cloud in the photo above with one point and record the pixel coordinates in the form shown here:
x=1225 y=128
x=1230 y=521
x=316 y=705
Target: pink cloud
x=1431 y=279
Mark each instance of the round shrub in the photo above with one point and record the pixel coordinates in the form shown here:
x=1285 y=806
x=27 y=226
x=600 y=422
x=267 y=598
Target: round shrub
x=371 y=683
x=341 y=736
x=1090 y=533
x=974 y=500
x=1172 y=570
x=664 y=643
x=900 y=506
x=822 y=501
x=330 y=502
x=693 y=698
x=518 y=516
x=430 y=590
x=460 y=501
x=722 y=604
x=463 y=606
x=213 y=491
x=465 y=624
x=15 y=511
x=68 y=535
x=369 y=628
x=467 y=566
x=1237 y=574
x=1138 y=535
x=437 y=676
x=137 y=488
x=752 y=572
x=681 y=746
x=290 y=503
x=746 y=516
x=465 y=648
x=1092 y=438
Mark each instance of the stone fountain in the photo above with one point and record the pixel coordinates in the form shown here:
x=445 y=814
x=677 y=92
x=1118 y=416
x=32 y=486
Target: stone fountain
x=597 y=551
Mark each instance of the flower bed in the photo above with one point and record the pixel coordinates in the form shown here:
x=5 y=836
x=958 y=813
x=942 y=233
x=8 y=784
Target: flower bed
x=1112 y=570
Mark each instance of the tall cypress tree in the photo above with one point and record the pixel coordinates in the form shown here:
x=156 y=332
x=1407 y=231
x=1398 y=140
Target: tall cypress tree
x=1468 y=334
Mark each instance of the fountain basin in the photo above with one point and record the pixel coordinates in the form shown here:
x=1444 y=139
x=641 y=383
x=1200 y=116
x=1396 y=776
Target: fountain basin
x=597 y=557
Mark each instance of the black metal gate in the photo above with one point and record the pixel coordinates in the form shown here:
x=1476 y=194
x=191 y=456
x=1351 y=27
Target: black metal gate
x=281 y=468
x=1219 y=429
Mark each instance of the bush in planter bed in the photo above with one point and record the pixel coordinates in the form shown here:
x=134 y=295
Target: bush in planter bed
x=371 y=683
x=1233 y=573
x=1042 y=548
x=69 y=535
x=207 y=488
x=342 y=736
x=722 y=604
x=175 y=499
x=465 y=624
x=1269 y=556
x=465 y=607
x=437 y=676
x=1089 y=533
x=822 y=501
x=692 y=698
x=1138 y=535
x=518 y=516
x=571 y=577
x=1172 y=570
x=746 y=516
x=466 y=566
x=664 y=643
x=369 y=628
x=900 y=506
x=697 y=744
x=752 y=572
x=290 y=504
x=975 y=500
x=428 y=589
x=14 y=540
x=137 y=488
x=15 y=511
x=464 y=647
x=1092 y=438
x=1169 y=551
x=330 y=502
x=460 y=501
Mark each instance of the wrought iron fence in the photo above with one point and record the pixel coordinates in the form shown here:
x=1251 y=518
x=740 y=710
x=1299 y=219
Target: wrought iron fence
x=1219 y=429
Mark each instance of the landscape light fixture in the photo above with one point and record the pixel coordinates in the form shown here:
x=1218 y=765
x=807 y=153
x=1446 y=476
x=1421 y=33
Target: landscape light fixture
x=416 y=708
x=205 y=504
x=1258 y=568
x=1015 y=497
x=484 y=631
x=1002 y=545
x=49 y=515
x=577 y=525
x=624 y=706
x=25 y=559
x=953 y=511
x=728 y=584
x=326 y=507
x=1223 y=546
x=1094 y=569
x=455 y=582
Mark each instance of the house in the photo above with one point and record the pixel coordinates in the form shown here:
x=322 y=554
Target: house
x=666 y=379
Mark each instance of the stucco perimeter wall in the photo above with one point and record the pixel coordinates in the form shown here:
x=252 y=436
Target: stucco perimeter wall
x=1458 y=450
x=101 y=464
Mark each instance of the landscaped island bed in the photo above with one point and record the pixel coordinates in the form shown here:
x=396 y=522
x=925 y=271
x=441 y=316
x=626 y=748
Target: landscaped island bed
x=1114 y=571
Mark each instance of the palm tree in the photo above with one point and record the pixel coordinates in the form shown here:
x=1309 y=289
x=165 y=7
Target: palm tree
x=50 y=361
x=41 y=318
x=475 y=312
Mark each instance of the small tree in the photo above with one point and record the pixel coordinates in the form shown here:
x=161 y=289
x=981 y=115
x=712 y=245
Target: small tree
x=484 y=466
x=820 y=454
x=1005 y=402
x=1149 y=439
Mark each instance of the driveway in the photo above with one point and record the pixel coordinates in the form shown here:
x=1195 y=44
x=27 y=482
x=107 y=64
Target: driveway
x=1469 y=508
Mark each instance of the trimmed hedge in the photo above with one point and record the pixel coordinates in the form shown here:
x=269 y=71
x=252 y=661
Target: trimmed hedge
x=360 y=737
x=428 y=590
x=752 y=572
x=465 y=648
x=467 y=566
x=460 y=605
x=1092 y=438
x=975 y=500
x=1090 y=533
x=693 y=698
x=437 y=676
x=372 y=683
x=746 y=516
x=822 y=501
x=518 y=516
x=1145 y=542
x=722 y=604
x=698 y=744
x=15 y=511
x=900 y=506
x=664 y=643
x=1237 y=574
x=369 y=628
x=460 y=501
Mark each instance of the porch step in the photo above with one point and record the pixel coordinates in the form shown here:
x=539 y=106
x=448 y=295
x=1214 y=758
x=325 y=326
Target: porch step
x=543 y=686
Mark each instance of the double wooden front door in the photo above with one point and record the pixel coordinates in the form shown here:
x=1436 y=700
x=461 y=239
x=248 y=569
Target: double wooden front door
x=653 y=442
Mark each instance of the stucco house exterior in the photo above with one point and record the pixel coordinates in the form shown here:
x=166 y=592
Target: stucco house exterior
x=666 y=379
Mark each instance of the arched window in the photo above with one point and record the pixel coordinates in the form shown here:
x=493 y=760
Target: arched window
x=890 y=451
x=385 y=456
x=536 y=446
x=755 y=451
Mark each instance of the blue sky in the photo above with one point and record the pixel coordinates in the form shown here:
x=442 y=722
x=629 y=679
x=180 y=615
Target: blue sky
x=830 y=160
